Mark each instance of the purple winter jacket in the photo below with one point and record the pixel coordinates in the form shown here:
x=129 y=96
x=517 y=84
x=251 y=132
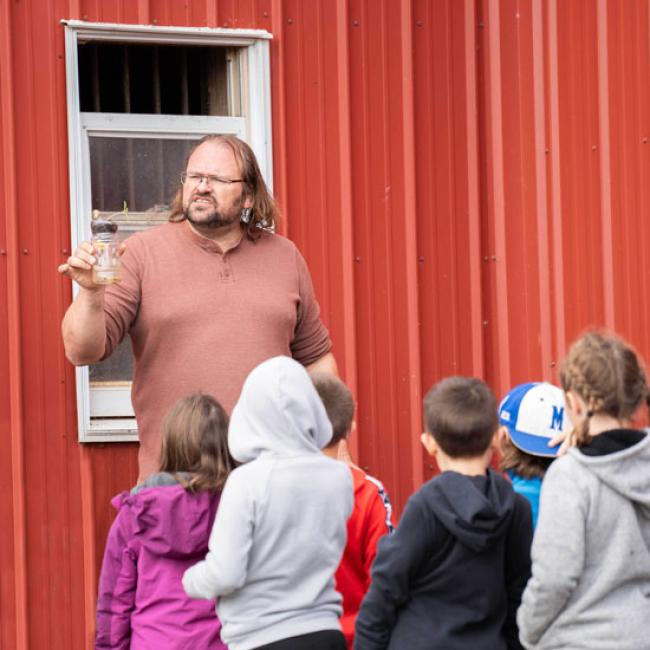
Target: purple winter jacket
x=159 y=532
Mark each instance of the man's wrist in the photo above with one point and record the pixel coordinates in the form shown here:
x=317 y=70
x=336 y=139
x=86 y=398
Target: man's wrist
x=93 y=296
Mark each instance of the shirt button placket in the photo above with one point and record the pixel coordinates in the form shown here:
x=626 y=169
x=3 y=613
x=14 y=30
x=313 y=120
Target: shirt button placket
x=225 y=272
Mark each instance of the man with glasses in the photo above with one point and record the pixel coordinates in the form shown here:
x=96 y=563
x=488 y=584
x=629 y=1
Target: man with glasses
x=205 y=298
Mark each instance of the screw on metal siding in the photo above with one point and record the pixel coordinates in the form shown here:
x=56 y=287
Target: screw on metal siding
x=485 y=323
x=290 y=21
x=421 y=259
x=357 y=259
x=552 y=364
x=419 y=23
x=593 y=147
x=3 y=251
x=65 y=251
x=645 y=140
x=25 y=251
x=355 y=23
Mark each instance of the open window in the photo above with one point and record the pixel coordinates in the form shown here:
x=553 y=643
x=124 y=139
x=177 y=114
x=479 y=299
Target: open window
x=138 y=99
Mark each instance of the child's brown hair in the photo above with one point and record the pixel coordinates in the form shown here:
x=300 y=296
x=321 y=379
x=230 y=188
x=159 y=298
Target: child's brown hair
x=523 y=464
x=195 y=441
x=338 y=402
x=461 y=414
x=605 y=372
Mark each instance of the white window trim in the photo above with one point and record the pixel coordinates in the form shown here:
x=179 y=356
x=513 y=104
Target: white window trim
x=255 y=129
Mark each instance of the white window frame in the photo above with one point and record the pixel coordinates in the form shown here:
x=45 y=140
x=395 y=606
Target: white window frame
x=255 y=128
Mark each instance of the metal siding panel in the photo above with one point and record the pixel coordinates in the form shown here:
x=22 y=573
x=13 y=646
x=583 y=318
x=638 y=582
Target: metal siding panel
x=516 y=256
x=629 y=130
x=556 y=243
x=319 y=164
x=542 y=202
x=605 y=164
x=520 y=179
x=50 y=534
x=339 y=88
x=14 y=436
x=384 y=229
x=12 y=576
x=580 y=167
x=447 y=192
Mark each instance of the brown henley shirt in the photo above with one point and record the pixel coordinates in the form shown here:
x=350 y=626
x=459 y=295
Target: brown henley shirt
x=201 y=320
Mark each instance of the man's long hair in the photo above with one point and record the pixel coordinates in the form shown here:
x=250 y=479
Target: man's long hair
x=264 y=211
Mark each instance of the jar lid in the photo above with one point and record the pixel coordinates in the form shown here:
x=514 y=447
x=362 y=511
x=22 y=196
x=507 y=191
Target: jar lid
x=103 y=226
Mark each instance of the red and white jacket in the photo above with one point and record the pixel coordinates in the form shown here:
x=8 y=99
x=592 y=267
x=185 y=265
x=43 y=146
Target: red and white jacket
x=371 y=518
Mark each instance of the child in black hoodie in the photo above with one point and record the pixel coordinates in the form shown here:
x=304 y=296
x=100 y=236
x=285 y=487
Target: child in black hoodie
x=452 y=574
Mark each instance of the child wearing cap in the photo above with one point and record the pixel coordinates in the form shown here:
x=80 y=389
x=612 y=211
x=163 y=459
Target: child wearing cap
x=530 y=415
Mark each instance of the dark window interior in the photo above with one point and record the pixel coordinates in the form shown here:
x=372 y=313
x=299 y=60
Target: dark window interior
x=160 y=79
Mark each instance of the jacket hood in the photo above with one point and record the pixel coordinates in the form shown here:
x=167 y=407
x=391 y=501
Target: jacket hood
x=625 y=472
x=476 y=517
x=279 y=411
x=171 y=521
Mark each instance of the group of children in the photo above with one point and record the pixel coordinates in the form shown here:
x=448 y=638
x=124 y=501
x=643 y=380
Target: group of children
x=298 y=548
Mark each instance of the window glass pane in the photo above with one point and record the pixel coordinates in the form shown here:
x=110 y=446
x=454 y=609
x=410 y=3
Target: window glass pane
x=118 y=367
x=159 y=79
x=144 y=172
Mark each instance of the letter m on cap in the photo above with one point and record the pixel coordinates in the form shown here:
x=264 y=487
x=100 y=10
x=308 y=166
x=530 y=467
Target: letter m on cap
x=558 y=418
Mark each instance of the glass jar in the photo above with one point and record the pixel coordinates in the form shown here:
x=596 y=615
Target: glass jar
x=106 y=242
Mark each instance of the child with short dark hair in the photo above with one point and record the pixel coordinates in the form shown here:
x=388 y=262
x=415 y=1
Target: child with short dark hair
x=452 y=574
x=371 y=517
x=531 y=415
x=590 y=586
x=162 y=528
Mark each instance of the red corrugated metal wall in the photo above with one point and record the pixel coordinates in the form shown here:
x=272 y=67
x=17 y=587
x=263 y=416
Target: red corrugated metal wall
x=468 y=180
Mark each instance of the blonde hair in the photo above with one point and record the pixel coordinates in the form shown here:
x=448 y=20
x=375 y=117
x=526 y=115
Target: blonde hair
x=195 y=441
x=605 y=372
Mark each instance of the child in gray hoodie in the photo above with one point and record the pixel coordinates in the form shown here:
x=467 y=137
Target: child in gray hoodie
x=280 y=529
x=590 y=585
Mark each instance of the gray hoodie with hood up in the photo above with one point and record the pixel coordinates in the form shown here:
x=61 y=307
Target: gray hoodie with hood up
x=590 y=586
x=280 y=529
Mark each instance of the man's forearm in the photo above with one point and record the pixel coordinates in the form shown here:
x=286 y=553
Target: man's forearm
x=84 y=328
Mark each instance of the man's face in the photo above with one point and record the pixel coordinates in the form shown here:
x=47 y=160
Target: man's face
x=213 y=205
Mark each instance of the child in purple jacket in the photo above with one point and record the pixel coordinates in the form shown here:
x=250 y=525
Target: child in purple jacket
x=162 y=528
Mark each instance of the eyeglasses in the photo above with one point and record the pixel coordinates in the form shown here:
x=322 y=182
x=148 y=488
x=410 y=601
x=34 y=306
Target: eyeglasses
x=210 y=179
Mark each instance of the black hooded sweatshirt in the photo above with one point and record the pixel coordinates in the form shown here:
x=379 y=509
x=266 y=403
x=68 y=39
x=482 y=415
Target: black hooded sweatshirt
x=452 y=574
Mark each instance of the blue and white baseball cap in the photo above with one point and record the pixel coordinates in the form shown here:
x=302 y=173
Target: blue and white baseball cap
x=533 y=414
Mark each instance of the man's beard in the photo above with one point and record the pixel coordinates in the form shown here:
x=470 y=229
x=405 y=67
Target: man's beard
x=212 y=220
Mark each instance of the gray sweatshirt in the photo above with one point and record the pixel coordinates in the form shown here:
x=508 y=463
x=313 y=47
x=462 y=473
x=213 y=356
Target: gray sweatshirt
x=590 y=585
x=280 y=528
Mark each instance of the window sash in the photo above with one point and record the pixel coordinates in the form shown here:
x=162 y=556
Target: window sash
x=96 y=405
